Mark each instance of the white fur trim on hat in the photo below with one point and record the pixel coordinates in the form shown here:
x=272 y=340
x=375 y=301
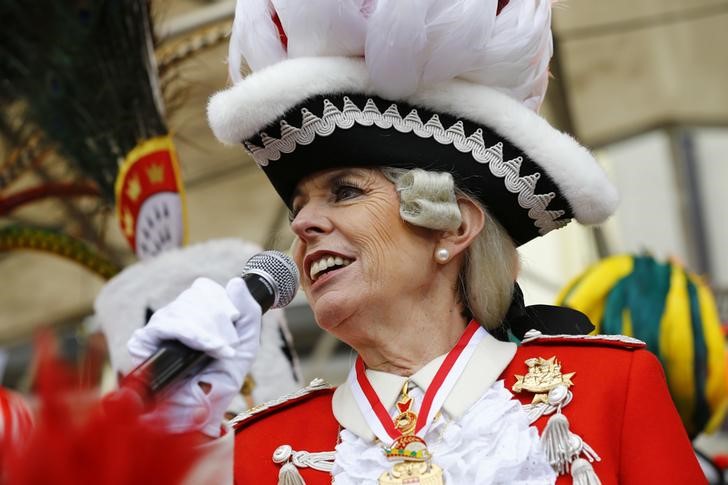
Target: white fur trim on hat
x=243 y=110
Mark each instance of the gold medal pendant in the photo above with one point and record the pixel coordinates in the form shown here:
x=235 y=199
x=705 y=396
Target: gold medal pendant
x=414 y=462
x=413 y=472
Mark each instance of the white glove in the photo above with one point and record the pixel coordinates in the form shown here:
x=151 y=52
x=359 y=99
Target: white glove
x=224 y=323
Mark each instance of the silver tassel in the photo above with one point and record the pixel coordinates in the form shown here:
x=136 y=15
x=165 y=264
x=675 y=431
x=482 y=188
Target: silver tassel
x=555 y=441
x=582 y=473
x=288 y=475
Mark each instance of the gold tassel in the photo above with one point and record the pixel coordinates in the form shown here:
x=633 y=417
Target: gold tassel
x=555 y=441
x=288 y=475
x=582 y=473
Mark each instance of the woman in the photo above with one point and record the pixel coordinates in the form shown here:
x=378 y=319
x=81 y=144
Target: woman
x=401 y=135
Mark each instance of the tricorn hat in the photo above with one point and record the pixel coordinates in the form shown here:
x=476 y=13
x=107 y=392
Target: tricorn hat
x=444 y=85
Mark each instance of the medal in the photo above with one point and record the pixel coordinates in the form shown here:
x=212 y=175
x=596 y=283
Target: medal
x=408 y=449
x=414 y=464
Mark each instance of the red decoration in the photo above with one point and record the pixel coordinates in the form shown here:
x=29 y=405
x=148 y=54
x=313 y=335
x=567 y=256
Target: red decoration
x=281 y=32
x=501 y=5
x=721 y=461
x=150 y=169
x=404 y=406
x=34 y=194
x=79 y=439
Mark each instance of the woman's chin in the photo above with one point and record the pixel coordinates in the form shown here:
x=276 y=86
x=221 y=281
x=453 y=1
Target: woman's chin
x=331 y=309
x=328 y=319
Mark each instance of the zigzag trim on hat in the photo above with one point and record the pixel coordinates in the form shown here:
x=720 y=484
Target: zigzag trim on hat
x=242 y=111
x=333 y=119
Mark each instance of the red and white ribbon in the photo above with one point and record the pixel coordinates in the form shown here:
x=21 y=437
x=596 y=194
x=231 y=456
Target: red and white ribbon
x=378 y=417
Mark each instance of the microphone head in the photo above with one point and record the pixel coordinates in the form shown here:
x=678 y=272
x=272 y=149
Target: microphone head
x=279 y=270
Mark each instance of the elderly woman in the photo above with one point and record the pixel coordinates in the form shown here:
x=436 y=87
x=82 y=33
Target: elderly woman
x=403 y=139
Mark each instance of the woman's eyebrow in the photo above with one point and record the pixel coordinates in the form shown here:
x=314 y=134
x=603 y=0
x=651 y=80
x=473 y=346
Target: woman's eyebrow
x=358 y=173
x=331 y=179
x=336 y=177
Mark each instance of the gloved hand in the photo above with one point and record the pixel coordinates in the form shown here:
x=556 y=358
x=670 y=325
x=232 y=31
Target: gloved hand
x=224 y=323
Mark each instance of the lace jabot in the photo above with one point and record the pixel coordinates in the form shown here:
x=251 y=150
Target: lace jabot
x=492 y=443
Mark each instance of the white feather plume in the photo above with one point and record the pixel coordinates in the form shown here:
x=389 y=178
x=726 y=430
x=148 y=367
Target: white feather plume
x=462 y=39
x=516 y=59
x=254 y=37
x=395 y=45
x=457 y=32
x=407 y=44
x=323 y=27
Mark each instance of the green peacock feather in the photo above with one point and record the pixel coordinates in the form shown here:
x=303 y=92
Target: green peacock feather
x=84 y=74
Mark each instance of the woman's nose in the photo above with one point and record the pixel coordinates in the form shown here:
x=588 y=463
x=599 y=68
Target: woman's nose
x=311 y=222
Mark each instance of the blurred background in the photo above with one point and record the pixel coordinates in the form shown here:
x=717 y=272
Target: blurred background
x=641 y=82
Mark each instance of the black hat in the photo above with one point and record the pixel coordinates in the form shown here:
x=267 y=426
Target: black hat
x=298 y=116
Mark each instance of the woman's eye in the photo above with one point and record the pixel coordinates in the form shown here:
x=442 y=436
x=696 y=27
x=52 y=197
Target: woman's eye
x=293 y=213
x=343 y=192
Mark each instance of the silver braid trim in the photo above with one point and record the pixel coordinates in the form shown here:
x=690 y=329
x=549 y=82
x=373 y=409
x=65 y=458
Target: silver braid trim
x=333 y=118
x=315 y=385
x=534 y=335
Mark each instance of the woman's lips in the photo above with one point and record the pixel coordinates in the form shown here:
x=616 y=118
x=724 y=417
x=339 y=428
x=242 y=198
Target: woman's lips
x=323 y=278
x=319 y=262
x=327 y=263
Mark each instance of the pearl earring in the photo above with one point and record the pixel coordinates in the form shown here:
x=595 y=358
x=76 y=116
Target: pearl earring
x=442 y=255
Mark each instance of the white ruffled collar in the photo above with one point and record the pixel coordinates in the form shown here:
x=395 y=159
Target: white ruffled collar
x=490 y=443
x=489 y=360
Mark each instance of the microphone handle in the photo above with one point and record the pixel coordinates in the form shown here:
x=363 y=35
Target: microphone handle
x=262 y=288
x=174 y=360
x=171 y=362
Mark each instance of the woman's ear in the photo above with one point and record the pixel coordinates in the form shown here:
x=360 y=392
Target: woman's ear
x=473 y=221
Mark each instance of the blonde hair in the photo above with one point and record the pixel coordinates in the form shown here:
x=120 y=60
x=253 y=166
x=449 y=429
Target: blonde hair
x=429 y=199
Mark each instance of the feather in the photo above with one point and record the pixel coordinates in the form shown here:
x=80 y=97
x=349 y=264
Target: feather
x=85 y=74
x=396 y=42
x=16 y=420
x=323 y=27
x=426 y=42
x=516 y=59
x=254 y=38
x=79 y=439
x=457 y=33
x=407 y=43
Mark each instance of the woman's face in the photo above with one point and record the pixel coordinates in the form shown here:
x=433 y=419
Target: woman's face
x=356 y=255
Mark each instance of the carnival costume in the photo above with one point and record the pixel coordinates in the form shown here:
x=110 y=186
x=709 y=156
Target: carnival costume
x=449 y=86
x=619 y=407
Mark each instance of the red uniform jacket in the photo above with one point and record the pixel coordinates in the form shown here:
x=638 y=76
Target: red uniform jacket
x=621 y=407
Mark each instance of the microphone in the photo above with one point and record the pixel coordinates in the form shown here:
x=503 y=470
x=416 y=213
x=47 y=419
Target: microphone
x=271 y=278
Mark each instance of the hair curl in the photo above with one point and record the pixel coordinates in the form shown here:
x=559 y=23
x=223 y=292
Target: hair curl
x=429 y=199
